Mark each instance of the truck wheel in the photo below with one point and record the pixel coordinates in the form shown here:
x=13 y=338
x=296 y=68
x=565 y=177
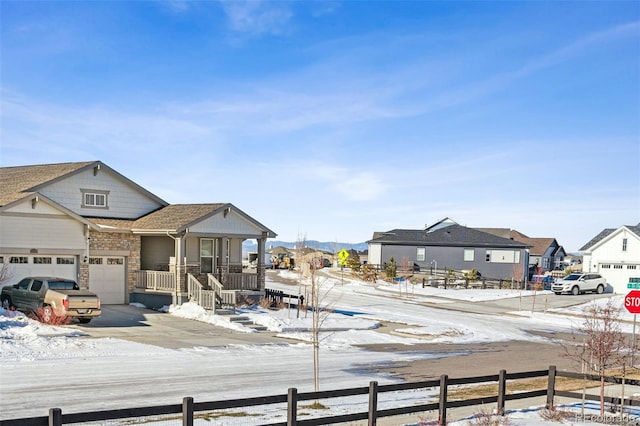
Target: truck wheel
x=6 y=302
x=575 y=290
x=47 y=314
x=84 y=320
x=600 y=289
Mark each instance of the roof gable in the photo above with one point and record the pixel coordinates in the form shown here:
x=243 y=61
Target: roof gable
x=179 y=217
x=452 y=235
x=607 y=234
x=21 y=181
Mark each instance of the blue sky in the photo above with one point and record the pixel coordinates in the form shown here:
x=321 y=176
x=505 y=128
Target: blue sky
x=332 y=120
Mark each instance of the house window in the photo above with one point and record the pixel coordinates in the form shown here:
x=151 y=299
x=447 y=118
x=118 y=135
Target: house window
x=115 y=261
x=469 y=255
x=65 y=261
x=421 y=254
x=617 y=266
x=206 y=256
x=1 y=259
x=605 y=266
x=18 y=259
x=545 y=262
x=631 y=266
x=624 y=244
x=95 y=261
x=39 y=260
x=94 y=199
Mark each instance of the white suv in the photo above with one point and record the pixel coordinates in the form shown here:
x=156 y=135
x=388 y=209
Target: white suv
x=580 y=283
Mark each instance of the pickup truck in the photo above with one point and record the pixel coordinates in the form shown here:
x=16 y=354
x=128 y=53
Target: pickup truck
x=59 y=297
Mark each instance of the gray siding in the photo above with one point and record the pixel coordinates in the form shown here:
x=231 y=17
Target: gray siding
x=453 y=258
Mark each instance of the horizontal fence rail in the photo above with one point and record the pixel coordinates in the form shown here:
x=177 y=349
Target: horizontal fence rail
x=188 y=409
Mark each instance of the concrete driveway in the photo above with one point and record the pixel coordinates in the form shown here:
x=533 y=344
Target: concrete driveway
x=161 y=329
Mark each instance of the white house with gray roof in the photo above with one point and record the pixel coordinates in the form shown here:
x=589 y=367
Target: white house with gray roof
x=87 y=222
x=615 y=254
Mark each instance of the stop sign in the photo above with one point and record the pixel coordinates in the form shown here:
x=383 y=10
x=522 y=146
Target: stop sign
x=632 y=301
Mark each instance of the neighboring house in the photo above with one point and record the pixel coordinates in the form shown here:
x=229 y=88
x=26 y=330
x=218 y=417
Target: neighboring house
x=447 y=245
x=87 y=222
x=615 y=254
x=545 y=254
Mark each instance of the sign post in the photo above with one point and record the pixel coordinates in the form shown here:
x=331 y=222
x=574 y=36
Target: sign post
x=632 y=303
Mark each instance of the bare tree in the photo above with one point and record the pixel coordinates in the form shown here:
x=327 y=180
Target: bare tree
x=320 y=310
x=5 y=273
x=517 y=273
x=600 y=344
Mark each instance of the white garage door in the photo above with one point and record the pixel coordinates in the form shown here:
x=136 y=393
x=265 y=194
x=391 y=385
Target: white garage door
x=21 y=266
x=107 y=279
x=618 y=275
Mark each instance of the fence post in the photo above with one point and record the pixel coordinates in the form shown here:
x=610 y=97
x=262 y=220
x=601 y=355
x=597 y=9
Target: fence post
x=442 y=412
x=551 y=386
x=55 y=417
x=187 y=411
x=373 y=403
x=292 y=407
x=502 y=391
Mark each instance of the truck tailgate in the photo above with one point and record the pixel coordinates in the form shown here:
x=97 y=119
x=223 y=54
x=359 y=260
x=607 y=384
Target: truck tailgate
x=83 y=301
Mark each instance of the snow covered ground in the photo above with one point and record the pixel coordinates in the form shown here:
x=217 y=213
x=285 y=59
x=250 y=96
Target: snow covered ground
x=45 y=366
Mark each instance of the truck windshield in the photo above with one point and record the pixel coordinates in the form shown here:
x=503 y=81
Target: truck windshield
x=63 y=285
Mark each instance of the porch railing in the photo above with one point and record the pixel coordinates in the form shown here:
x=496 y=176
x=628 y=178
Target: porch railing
x=241 y=281
x=200 y=295
x=226 y=297
x=156 y=280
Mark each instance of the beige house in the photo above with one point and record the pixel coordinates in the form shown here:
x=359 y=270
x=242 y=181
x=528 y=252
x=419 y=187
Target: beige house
x=87 y=222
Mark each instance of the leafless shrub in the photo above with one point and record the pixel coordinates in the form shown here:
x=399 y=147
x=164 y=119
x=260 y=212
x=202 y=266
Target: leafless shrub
x=46 y=315
x=555 y=415
x=265 y=303
x=487 y=418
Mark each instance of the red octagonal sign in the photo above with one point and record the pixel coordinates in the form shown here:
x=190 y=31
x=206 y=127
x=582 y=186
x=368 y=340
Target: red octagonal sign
x=632 y=301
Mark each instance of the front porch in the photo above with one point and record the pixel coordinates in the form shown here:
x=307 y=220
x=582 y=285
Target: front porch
x=211 y=291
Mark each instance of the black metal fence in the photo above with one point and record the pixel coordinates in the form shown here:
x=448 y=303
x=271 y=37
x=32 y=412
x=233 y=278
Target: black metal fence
x=189 y=408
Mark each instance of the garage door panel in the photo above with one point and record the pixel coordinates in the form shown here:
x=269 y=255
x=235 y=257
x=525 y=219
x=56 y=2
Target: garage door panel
x=107 y=279
x=22 y=266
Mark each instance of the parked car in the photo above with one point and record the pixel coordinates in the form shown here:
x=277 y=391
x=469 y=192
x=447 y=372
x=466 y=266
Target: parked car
x=59 y=297
x=580 y=283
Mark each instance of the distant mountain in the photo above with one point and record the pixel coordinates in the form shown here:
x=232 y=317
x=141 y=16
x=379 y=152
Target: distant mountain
x=331 y=247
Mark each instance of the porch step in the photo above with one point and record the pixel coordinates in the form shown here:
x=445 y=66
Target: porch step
x=245 y=321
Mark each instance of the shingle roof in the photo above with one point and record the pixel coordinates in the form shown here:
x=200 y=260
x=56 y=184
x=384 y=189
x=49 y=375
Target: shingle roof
x=453 y=235
x=18 y=182
x=606 y=232
x=176 y=216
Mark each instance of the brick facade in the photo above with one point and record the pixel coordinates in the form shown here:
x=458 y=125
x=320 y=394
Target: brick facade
x=119 y=242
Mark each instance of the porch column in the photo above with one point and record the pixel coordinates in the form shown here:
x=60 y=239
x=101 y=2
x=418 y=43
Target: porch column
x=180 y=266
x=261 y=252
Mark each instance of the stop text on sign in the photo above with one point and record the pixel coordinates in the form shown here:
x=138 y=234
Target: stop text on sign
x=632 y=302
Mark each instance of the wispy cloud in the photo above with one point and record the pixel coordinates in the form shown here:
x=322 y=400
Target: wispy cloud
x=257 y=17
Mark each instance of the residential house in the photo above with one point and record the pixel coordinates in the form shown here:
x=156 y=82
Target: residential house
x=88 y=222
x=615 y=254
x=447 y=245
x=545 y=254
